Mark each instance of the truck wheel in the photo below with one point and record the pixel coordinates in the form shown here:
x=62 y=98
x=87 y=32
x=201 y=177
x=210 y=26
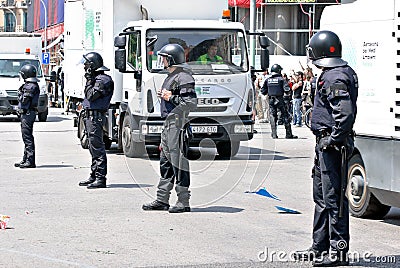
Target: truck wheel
x=130 y=148
x=362 y=203
x=43 y=115
x=82 y=133
x=228 y=149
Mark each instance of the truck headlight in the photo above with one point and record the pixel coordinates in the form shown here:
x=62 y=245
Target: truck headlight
x=243 y=128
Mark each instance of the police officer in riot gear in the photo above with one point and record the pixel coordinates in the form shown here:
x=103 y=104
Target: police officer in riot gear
x=178 y=98
x=276 y=86
x=332 y=122
x=98 y=92
x=28 y=99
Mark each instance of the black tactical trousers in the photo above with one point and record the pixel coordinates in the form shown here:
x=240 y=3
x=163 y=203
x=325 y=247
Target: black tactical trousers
x=173 y=165
x=275 y=104
x=94 y=128
x=329 y=231
x=27 y=120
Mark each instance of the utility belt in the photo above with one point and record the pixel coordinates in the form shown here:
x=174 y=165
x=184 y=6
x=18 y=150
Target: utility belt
x=320 y=134
x=27 y=111
x=178 y=120
x=95 y=113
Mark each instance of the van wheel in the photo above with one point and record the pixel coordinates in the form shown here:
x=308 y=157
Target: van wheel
x=228 y=149
x=130 y=148
x=362 y=203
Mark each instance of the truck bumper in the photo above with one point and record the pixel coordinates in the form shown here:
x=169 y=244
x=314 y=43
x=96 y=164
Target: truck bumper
x=9 y=104
x=218 y=130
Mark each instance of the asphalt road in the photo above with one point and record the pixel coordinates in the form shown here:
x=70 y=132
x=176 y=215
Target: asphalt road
x=56 y=223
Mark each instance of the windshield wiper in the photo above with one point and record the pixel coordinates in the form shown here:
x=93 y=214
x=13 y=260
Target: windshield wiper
x=9 y=75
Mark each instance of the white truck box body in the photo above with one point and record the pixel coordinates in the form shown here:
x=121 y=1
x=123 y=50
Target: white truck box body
x=95 y=23
x=371 y=44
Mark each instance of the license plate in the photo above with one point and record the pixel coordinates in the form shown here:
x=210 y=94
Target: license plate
x=204 y=129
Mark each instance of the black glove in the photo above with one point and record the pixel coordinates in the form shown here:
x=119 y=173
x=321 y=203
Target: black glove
x=324 y=143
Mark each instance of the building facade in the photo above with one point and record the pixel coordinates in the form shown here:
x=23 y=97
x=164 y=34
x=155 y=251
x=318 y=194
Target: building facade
x=13 y=15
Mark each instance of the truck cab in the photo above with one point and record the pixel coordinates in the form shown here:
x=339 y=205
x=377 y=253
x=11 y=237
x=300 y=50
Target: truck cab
x=224 y=88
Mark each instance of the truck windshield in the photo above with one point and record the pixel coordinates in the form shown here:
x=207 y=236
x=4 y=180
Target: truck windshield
x=11 y=67
x=206 y=51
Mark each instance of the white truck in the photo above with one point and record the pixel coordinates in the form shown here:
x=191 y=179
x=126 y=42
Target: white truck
x=141 y=27
x=16 y=50
x=370 y=36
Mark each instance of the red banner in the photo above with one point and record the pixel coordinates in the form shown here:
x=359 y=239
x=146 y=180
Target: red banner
x=243 y=3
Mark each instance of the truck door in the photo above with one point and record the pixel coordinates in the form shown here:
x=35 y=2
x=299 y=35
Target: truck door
x=132 y=81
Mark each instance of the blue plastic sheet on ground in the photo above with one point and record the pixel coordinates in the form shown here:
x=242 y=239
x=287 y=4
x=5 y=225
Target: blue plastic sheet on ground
x=265 y=193
x=287 y=210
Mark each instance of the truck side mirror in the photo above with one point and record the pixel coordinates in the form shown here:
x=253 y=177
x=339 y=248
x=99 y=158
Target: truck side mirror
x=120 y=41
x=264 y=41
x=120 y=53
x=264 y=59
x=120 y=60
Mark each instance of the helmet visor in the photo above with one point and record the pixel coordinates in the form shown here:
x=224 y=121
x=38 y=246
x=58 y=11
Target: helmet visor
x=310 y=53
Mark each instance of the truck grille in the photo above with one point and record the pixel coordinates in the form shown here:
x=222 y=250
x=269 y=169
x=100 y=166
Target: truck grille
x=12 y=93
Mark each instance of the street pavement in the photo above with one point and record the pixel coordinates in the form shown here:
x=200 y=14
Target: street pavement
x=55 y=223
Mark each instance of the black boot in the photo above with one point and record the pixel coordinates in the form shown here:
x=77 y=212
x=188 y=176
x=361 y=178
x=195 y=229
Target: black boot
x=98 y=183
x=274 y=133
x=155 y=205
x=19 y=163
x=27 y=165
x=182 y=204
x=179 y=208
x=289 y=134
x=307 y=255
x=87 y=181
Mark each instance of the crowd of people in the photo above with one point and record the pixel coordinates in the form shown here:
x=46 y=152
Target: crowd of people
x=297 y=101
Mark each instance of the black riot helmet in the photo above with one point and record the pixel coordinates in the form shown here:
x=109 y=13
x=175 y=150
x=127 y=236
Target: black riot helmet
x=174 y=53
x=94 y=61
x=276 y=68
x=29 y=73
x=325 y=50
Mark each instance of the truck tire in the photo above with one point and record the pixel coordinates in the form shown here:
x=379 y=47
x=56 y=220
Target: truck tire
x=130 y=147
x=82 y=133
x=362 y=203
x=228 y=149
x=42 y=117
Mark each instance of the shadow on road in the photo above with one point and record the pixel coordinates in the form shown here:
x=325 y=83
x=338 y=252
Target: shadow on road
x=126 y=185
x=393 y=217
x=221 y=209
x=54 y=166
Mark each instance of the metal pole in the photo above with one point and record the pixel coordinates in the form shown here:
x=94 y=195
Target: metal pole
x=252 y=30
x=45 y=25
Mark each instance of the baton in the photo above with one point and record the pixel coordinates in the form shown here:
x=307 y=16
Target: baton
x=343 y=182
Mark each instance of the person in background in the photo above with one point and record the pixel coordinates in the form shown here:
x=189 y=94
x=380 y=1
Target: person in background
x=211 y=56
x=297 y=89
x=98 y=93
x=28 y=99
x=276 y=86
